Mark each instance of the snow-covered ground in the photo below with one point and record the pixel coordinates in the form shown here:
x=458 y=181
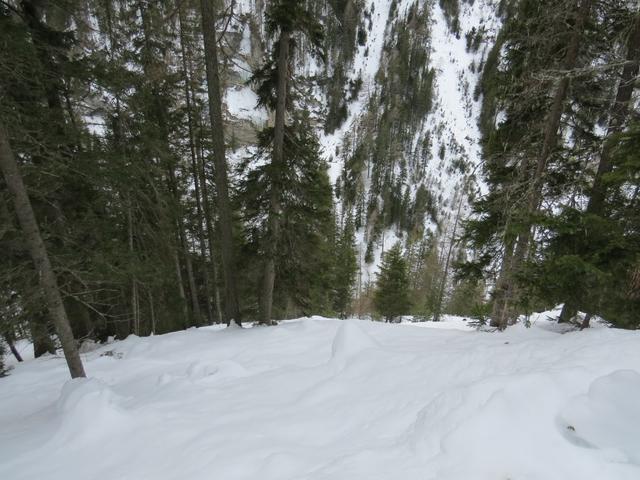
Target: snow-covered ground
x=328 y=399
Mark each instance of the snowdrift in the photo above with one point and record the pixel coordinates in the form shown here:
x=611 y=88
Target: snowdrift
x=328 y=399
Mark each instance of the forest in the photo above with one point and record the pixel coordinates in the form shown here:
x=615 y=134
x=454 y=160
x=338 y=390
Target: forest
x=144 y=212
x=319 y=239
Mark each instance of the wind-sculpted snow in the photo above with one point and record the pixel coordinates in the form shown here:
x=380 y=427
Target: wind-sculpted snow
x=328 y=399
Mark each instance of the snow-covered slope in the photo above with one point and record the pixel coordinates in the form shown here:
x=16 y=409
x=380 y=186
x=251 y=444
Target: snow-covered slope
x=328 y=399
x=439 y=150
x=443 y=153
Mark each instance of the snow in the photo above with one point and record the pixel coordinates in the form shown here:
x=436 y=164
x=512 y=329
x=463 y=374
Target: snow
x=242 y=104
x=328 y=399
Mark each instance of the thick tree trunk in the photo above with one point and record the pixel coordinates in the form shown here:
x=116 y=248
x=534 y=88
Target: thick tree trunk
x=39 y=255
x=40 y=335
x=232 y=307
x=277 y=163
x=549 y=143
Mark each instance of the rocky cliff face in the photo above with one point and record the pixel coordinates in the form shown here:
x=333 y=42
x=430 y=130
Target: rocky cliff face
x=397 y=106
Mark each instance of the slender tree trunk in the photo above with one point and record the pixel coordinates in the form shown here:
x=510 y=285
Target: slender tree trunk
x=134 y=282
x=39 y=255
x=277 y=163
x=194 y=165
x=195 y=303
x=549 y=143
x=8 y=337
x=208 y=218
x=502 y=288
x=222 y=182
x=438 y=312
x=152 y=311
x=181 y=293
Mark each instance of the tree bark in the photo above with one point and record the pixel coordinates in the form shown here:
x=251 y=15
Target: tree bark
x=232 y=308
x=277 y=164
x=39 y=255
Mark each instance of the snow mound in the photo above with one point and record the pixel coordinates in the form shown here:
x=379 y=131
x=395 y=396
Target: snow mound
x=349 y=341
x=87 y=410
x=607 y=417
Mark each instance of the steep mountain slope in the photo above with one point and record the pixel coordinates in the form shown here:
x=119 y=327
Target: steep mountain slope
x=395 y=109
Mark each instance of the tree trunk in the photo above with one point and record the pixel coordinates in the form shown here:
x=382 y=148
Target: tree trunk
x=195 y=303
x=586 y=321
x=152 y=312
x=181 y=294
x=8 y=337
x=39 y=255
x=222 y=182
x=438 y=312
x=39 y=330
x=194 y=166
x=549 y=143
x=277 y=163
x=569 y=311
x=208 y=218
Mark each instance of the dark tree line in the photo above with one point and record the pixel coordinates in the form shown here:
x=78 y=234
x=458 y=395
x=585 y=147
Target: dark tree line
x=559 y=223
x=114 y=125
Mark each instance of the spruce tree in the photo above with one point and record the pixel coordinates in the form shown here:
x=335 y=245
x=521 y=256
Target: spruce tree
x=391 y=298
x=284 y=20
x=346 y=267
x=305 y=257
x=539 y=124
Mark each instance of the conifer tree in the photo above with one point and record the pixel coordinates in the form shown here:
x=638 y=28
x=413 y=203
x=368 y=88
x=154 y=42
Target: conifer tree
x=392 y=286
x=304 y=262
x=346 y=267
x=538 y=91
x=284 y=19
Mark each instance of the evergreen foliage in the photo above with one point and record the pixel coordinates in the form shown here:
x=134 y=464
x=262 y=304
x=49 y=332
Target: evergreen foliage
x=544 y=106
x=392 y=287
x=346 y=268
x=305 y=264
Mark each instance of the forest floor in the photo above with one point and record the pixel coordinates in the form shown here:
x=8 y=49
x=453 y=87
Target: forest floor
x=327 y=399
